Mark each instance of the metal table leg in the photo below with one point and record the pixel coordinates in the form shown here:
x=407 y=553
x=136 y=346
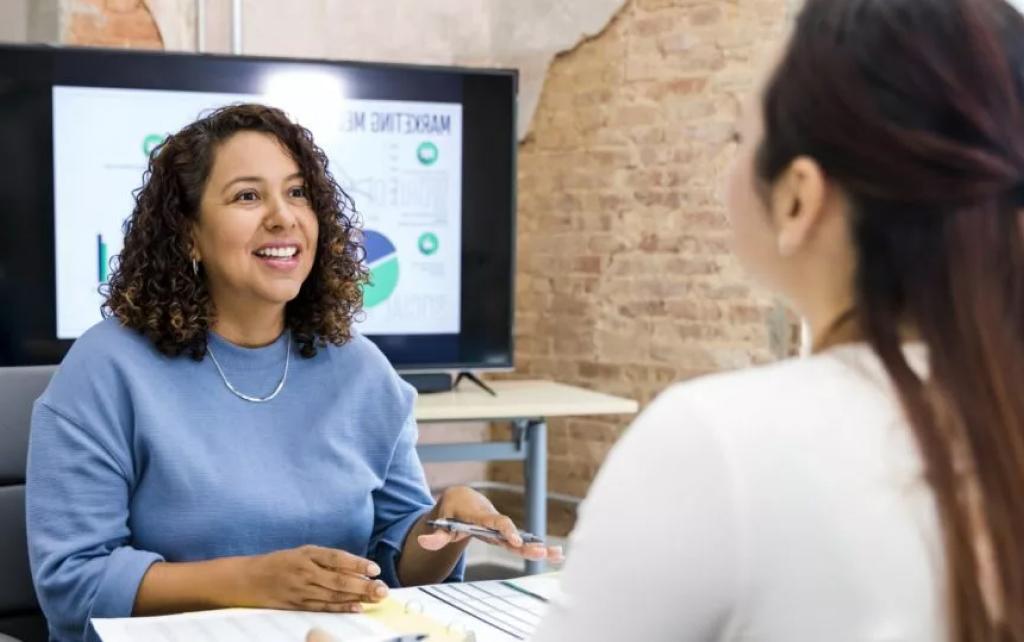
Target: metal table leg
x=535 y=470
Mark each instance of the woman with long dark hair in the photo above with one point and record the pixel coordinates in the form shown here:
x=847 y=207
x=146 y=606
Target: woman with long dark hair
x=875 y=490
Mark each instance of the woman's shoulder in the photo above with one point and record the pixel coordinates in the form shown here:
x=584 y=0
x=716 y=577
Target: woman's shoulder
x=361 y=363
x=359 y=354
x=109 y=337
x=360 y=349
x=100 y=361
x=91 y=385
x=842 y=384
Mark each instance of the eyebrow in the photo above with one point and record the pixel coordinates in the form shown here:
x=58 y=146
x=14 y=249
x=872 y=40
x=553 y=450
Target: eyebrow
x=256 y=179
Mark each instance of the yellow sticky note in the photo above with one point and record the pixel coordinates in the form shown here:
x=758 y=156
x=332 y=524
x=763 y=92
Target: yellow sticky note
x=393 y=614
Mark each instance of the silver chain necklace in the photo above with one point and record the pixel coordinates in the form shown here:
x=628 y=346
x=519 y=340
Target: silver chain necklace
x=242 y=395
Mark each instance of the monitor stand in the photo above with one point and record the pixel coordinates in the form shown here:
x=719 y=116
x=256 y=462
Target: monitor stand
x=428 y=382
x=466 y=374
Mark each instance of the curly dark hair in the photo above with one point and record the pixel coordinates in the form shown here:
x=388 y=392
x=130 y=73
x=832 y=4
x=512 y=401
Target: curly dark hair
x=153 y=288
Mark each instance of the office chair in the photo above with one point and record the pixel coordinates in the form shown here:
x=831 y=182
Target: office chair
x=20 y=617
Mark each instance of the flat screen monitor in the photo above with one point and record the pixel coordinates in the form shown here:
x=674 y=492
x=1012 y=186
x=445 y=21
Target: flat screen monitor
x=427 y=154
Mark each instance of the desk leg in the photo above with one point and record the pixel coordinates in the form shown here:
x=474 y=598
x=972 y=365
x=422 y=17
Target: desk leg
x=535 y=470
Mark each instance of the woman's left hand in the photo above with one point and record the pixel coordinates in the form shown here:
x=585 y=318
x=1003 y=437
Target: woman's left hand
x=466 y=505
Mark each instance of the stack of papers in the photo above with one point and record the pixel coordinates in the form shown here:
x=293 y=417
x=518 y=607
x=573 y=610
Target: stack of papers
x=241 y=625
x=489 y=611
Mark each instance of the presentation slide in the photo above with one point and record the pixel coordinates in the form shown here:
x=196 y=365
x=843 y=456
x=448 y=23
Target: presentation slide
x=400 y=161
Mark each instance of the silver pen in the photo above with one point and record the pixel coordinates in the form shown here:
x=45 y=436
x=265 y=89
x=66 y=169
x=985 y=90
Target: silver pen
x=455 y=526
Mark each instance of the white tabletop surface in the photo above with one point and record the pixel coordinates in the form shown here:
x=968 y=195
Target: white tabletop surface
x=519 y=399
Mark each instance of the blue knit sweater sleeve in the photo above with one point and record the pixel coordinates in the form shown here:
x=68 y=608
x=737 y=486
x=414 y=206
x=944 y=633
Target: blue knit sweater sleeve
x=77 y=514
x=398 y=504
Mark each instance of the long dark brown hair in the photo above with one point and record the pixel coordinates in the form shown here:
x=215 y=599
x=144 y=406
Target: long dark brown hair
x=153 y=287
x=915 y=108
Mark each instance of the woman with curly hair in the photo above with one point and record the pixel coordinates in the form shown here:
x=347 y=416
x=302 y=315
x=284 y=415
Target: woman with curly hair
x=224 y=437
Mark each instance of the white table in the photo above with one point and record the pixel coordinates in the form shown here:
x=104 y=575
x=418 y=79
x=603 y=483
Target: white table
x=528 y=405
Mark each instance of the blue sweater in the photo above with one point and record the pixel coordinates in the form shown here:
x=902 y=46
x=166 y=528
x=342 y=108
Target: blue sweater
x=136 y=457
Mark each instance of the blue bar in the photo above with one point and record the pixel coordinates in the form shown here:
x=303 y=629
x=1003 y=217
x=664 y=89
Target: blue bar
x=484 y=451
x=535 y=469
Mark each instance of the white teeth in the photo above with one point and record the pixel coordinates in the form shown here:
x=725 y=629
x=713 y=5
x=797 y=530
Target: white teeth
x=278 y=252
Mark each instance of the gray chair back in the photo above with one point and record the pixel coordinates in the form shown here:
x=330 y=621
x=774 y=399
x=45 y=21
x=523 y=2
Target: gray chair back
x=19 y=611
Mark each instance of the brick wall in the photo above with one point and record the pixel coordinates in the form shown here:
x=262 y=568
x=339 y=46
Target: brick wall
x=625 y=280
x=109 y=23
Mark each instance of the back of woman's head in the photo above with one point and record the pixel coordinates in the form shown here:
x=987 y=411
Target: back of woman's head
x=155 y=288
x=915 y=109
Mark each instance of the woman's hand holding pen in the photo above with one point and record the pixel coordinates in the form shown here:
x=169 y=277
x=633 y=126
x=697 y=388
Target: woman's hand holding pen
x=464 y=504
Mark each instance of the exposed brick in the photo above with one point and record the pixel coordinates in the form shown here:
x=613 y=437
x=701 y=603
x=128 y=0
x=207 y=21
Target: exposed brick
x=630 y=139
x=574 y=345
x=706 y=15
x=637 y=115
x=678 y=43
x=533 y=345
x=655 y=308
x=655 y=4
x=588 y=264
x=676 y=87
x=110 y=23
x=678 y=265
x=594 y=370
x=605 y=244
x=745 y=313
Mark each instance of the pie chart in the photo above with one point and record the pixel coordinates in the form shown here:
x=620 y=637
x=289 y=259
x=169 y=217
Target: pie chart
x=382 y=260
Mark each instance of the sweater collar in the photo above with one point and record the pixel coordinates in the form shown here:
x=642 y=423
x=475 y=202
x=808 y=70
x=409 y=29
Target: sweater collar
x=235 y=356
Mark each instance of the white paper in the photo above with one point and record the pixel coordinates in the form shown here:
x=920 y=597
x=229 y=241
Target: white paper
x=547 y=586
x=240 y=625
x=492 y=610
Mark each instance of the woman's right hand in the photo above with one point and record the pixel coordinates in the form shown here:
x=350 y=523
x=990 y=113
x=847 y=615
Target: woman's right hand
x=310 y=578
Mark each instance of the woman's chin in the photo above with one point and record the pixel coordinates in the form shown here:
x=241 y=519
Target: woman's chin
x=280 y=293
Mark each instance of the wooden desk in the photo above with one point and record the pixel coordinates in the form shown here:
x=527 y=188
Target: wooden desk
x=528 y=405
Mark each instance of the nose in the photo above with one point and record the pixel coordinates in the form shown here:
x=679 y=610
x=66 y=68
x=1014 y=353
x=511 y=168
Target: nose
x=279 y=214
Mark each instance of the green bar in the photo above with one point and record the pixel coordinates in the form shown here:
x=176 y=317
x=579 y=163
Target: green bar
x=101 y=249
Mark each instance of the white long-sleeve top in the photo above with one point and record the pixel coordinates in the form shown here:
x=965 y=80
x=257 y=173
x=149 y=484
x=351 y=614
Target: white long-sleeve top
x=777 y=504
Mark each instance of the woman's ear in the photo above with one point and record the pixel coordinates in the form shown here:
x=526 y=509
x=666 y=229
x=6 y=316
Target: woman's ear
x=797 y=204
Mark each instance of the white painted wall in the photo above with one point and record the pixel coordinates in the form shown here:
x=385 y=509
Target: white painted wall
x=13 y=20
x=30 y=21
x=524 y=34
